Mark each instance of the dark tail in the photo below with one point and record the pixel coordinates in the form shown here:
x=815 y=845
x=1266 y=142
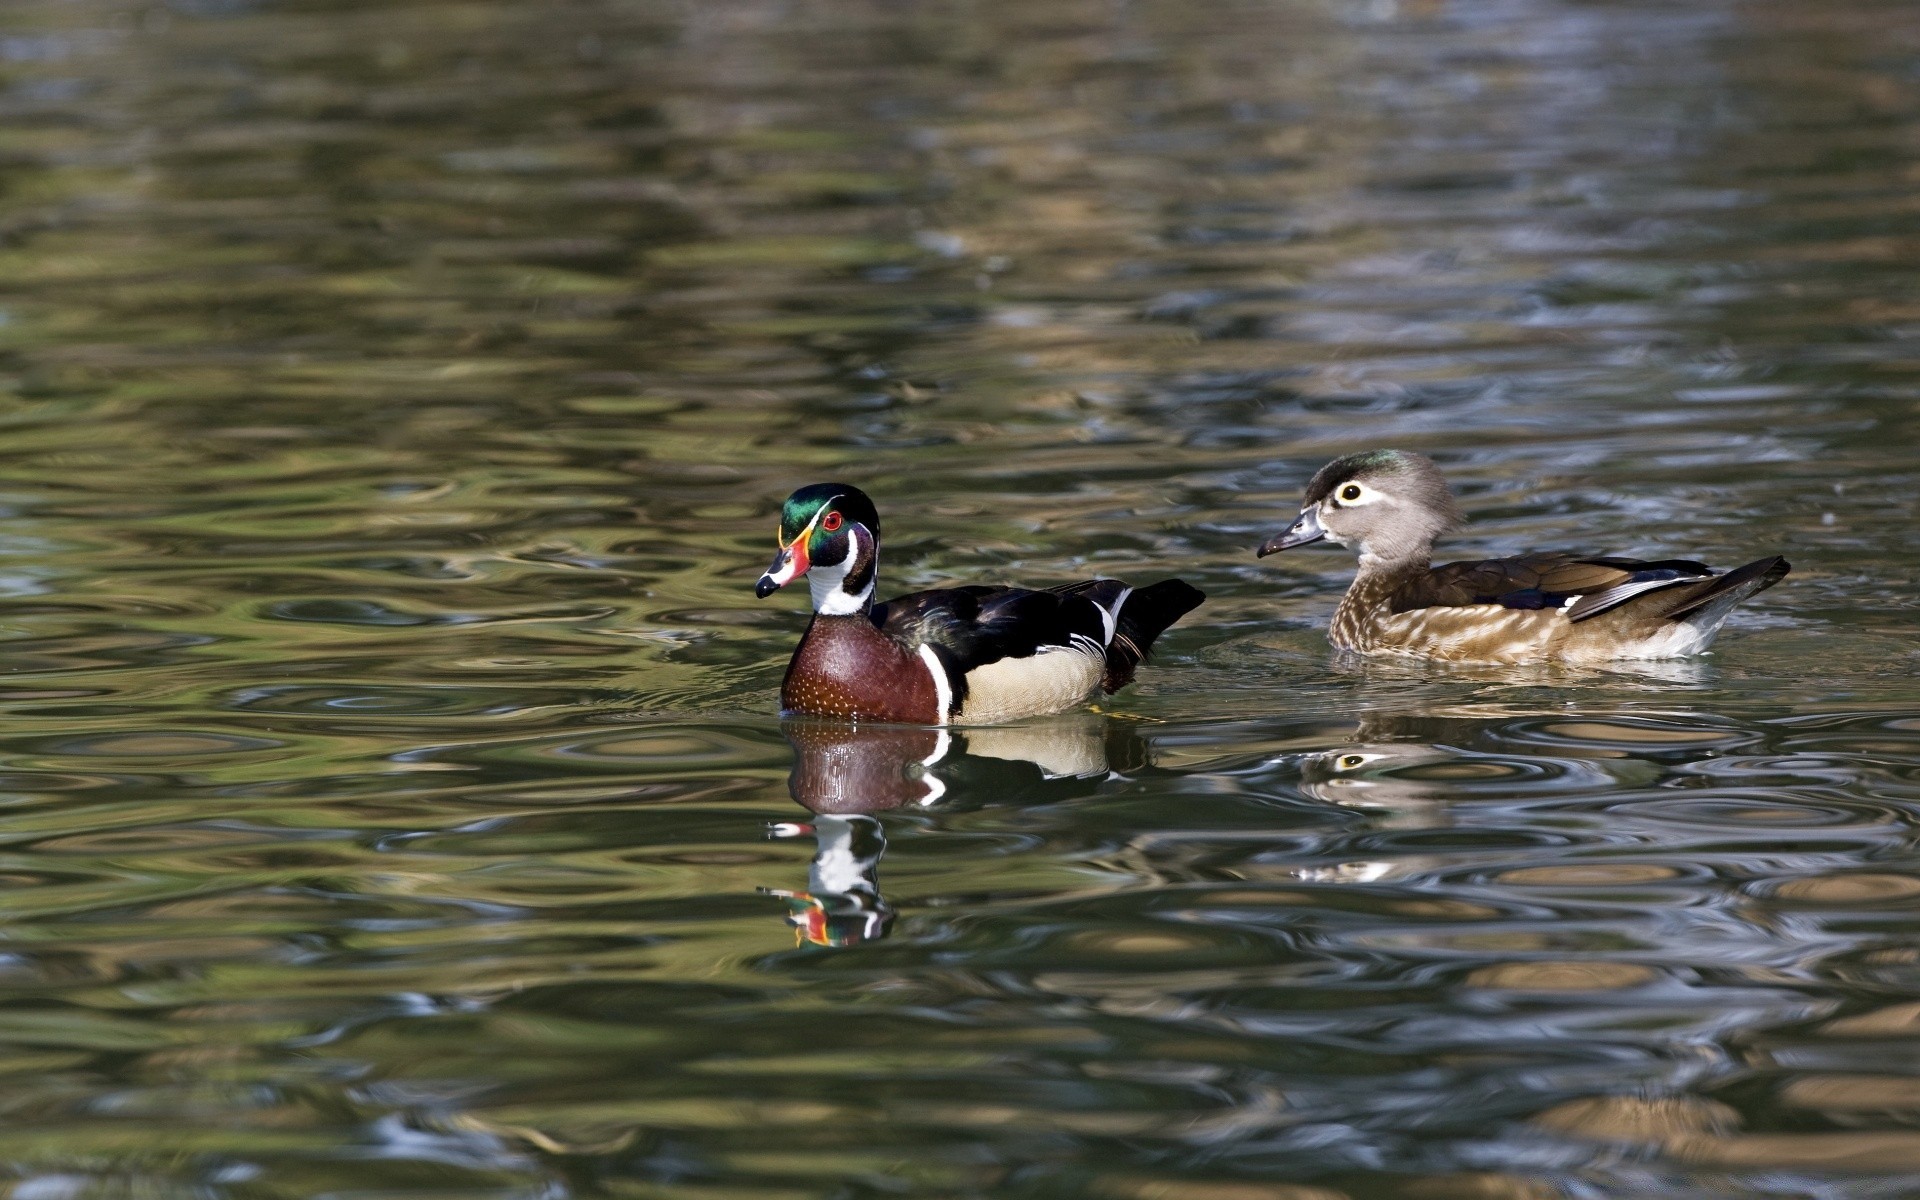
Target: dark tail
x=1144 y=616
x=1710 y=600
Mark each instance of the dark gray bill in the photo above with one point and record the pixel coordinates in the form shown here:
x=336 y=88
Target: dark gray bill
x=1306 y=529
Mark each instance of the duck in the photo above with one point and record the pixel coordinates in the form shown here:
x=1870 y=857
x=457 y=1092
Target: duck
x=975 y=654
x=1391 y=505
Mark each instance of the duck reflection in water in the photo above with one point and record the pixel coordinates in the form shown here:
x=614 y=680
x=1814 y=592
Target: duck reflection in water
x=844 y=774
x=842 y=905
x=1413 y=772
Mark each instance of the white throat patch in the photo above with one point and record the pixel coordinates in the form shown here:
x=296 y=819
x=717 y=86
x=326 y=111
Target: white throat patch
x=828 y=598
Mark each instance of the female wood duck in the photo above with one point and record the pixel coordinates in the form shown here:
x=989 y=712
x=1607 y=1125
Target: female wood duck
x=965 y=654
x=1568 y=608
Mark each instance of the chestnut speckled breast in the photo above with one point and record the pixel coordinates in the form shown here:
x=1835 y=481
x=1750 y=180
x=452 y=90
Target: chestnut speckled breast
x=845 y=667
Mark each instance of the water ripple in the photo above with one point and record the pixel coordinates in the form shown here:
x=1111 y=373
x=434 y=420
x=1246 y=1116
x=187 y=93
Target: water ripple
x=397 y=401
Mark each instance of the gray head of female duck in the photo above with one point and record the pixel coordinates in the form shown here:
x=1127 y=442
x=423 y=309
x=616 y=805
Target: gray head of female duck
x=1388 y=504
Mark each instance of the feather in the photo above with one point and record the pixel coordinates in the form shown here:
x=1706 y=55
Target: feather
x=1593 y=604
x=1728 y=590
x=977 y=626
x=1584 y=587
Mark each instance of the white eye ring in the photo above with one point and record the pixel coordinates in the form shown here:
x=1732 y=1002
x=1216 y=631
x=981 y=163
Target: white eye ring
x=1352 y=761
x=1352 y=494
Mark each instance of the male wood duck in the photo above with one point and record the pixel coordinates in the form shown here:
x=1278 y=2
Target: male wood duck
x=1570 y=608
x=970 y=655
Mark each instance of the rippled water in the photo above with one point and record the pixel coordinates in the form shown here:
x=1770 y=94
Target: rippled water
x=397 y=397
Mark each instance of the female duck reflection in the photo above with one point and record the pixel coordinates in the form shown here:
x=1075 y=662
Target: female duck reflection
x=843 y=774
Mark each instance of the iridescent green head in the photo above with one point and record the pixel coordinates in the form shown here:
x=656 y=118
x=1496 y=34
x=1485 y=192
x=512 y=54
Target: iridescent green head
x=832 y=527
x=813 y=507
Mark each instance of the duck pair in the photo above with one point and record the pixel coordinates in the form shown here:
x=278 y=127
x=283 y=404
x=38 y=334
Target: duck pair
x=981 y=654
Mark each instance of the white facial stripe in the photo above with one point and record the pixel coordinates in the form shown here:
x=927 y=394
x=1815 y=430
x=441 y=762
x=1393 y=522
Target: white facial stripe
x=795 y=551
x=818 y=513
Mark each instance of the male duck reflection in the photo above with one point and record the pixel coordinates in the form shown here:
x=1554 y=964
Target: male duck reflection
x=842 y=905
x=1391 y=505
x=965 y=654
x=843 y=774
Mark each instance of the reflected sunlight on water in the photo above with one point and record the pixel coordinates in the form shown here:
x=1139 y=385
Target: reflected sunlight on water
x=397 y=399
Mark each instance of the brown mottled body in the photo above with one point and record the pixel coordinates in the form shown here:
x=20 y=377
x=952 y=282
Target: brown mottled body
x=1352 y=627
x=1641 y=628
x=844 y=667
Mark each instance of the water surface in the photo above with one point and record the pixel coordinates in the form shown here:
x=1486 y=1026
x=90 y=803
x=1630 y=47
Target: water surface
x=397 y=398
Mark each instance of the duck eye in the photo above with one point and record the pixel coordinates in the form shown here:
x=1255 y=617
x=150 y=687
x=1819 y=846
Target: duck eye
x=830 y=522
x=1350 y=492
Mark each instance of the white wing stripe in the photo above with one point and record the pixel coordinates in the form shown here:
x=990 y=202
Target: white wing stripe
x=1112 y=616
x=1597 y=602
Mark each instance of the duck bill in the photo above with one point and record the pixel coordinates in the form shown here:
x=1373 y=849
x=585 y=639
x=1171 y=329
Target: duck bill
x=788 y=565
x=1306 y=529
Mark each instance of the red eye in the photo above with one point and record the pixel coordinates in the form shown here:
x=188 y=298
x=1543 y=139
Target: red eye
x=831 y=522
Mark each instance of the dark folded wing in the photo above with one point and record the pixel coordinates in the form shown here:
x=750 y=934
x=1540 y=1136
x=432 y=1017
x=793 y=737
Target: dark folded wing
x=1585 y=587
x=972 y=626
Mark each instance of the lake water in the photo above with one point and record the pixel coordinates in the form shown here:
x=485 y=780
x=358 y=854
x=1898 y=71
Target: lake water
x=397 y=400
